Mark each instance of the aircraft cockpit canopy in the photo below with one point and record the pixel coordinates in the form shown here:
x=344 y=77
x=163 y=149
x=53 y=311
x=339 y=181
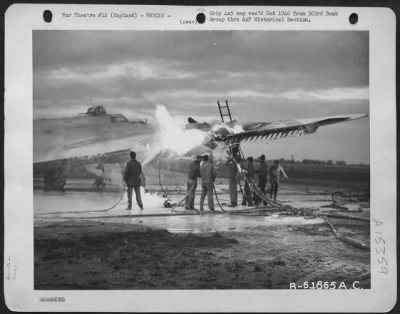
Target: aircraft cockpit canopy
x=95 y=111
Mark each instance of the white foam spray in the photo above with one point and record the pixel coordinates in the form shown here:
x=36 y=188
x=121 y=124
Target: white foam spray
x=172 y=135
x=173 y=139
x=151 y=200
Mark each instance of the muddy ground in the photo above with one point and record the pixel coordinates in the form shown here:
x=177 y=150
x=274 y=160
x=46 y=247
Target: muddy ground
x=97 y=255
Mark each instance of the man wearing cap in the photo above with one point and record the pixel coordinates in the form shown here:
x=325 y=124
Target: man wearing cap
x=208 y=175
x=194 y=173
x=133 y=177
x=262 y=177
x=231 y=164
x=250 y=174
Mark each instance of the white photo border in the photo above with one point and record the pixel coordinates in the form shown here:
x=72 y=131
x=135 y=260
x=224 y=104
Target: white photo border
x=22 y=19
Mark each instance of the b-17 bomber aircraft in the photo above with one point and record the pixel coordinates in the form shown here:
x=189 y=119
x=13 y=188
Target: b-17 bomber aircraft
x=97 y=132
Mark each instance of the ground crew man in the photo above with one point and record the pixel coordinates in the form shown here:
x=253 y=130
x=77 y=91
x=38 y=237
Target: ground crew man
x=250 y=175
x=133 y=177
x=233 y=173
x=262 y=179
x=275 y=171
x=194 y=173
x=208 y=175
x=99 y=181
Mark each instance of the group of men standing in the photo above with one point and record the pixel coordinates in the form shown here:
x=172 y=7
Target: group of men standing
x=237 y=167
x=203 y=168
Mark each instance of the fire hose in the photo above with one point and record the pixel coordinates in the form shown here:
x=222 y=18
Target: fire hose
x=183 y=199
x=190 y=191
x=94 y=211
x=344 y=239
x=216 y=197
x=255 y=189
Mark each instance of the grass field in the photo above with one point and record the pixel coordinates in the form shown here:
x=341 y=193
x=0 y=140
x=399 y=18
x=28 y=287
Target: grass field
x=328 y=172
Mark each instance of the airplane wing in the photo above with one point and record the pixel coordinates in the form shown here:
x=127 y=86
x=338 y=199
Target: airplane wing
x=281 y=129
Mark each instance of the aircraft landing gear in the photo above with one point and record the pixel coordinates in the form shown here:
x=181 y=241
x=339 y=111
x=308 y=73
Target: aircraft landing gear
x=99 y=182
x=54 y=180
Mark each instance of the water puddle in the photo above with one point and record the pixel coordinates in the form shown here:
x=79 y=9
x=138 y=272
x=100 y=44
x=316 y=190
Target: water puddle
x=97 y=206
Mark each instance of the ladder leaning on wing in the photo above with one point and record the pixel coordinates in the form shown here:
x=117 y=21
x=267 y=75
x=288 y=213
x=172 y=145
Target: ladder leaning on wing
x=225 y=108
x=225 y=113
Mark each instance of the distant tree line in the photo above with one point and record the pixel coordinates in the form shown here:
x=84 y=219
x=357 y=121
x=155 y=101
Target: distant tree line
x=319 y=162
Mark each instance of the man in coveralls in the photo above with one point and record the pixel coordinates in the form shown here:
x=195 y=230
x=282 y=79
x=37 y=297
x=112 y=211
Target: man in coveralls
x=208 y=175
x=194 y=173
x=262 y=178
x=232 y=163
x=275 y=172
x=233 y=174
x=250 y=174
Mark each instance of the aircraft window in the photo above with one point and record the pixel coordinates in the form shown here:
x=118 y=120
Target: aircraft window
x=100 y=109
x=139 y=121
x=118 y=119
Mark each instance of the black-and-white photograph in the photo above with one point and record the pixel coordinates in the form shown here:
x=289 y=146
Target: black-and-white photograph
x=201 y=159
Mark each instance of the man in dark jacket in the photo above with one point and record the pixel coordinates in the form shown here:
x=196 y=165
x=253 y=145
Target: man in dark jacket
x=208 y=175
x=250 y=174
x=233 y=173
x=194 y=173
x=262 y=178
x=132 y=178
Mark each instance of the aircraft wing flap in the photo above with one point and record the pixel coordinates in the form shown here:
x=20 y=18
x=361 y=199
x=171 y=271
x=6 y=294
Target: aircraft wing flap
x=281 y=129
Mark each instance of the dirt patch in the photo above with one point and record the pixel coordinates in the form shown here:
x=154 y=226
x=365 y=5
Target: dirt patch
x=87 y=256
x=94 y=255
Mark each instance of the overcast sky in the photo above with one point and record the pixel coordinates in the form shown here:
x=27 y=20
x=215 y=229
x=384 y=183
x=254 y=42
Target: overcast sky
x=265 y=75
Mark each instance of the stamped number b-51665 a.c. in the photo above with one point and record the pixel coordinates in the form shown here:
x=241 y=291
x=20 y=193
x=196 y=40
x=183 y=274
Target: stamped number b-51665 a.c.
x=325 y=285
